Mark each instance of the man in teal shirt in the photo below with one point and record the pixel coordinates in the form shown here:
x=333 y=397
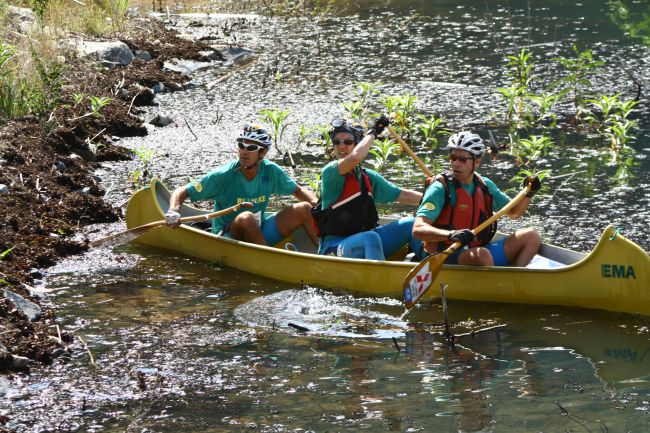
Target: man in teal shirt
x=460 y=200
x=250 y=178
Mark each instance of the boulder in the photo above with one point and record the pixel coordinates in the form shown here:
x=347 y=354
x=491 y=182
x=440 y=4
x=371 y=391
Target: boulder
x=108 y=53
x=29 y=309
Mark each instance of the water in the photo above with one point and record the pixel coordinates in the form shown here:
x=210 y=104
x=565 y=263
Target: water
x=183 y=345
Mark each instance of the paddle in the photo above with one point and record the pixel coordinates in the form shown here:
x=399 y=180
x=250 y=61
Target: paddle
x=129 y=235
x=408 y=150
x=421 y=277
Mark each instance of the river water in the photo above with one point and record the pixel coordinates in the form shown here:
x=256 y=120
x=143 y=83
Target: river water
x=170 y=343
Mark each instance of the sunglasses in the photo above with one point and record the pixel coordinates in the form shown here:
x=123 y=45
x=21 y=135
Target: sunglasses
x=249 y=147
x=347 y=141
x=462 y=159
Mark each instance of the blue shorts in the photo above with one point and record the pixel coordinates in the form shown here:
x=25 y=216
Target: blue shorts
x=269 y=231
x=496 y=248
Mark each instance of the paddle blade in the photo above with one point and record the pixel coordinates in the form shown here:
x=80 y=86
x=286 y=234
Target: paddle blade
x=120 y=238
x=421 y=277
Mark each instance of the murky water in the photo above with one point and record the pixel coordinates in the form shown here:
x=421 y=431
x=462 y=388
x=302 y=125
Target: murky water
x=171 y=343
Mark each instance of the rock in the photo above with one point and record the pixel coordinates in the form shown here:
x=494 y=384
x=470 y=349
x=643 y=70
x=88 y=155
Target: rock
x=211 y=55
x=161 y=121
x=175 y=87
x=83 y=191
x=109 y=53
x=3 y=162
x=233 y=54
x=159 y=88
x=30 y=309
x=4 y=189
x=185 y=67
x=143 y=55
x=59 y=165
x=20 y=362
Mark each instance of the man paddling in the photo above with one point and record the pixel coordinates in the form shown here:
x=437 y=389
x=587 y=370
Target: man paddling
x=459 y=200
x=250 y=178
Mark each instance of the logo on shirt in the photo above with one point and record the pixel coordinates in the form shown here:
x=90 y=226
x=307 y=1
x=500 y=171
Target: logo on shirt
x=429 y=206
x=463 y=207
x=197 y=186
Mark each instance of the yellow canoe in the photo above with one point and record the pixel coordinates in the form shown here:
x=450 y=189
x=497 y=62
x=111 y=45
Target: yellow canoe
x=614 y=276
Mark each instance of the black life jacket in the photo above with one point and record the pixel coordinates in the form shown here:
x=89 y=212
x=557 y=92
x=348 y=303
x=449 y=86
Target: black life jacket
x=468 y=212
x=353 y=212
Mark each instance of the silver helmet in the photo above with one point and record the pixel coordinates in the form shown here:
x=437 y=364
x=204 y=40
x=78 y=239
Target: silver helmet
x=468 y=141
x=256 y=134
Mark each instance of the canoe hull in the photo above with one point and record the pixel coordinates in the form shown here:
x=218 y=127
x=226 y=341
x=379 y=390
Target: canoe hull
x=615 y=276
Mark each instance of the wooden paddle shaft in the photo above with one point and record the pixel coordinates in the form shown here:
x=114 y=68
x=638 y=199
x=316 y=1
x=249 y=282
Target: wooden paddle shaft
x=410 y=152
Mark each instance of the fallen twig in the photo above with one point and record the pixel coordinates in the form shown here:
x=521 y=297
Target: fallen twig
x=92 y=360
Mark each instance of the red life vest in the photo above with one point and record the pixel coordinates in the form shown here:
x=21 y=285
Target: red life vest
x=353 y=211
x=468 y=212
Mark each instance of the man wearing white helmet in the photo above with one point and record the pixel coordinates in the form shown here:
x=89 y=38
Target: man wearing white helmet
x=459 y=200
x=250 y=178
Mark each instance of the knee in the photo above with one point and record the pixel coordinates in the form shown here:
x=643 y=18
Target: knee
x=245 y=220
x=531 y=238
x=484 y=257
x=304 y=209
x=373 y=239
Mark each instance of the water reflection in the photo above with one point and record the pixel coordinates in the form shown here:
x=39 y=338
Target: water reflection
x=180 y=345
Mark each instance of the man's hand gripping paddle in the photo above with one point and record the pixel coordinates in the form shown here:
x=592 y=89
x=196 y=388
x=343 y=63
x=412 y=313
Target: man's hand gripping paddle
x=421 y=277
x=129 y=235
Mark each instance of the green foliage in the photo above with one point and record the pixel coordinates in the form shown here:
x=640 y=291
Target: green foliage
x=358 y=110
x=39 y=7
x=578 y=70
x=519 y=69
x=633 y=17
x=429 y=128
x=142 y=176
x=277 y=119
x=5 y=253
x=402 y=110
x=96 y=104
x=382 y=149
x=315 y=184
x=23 y=95
x=528 y=152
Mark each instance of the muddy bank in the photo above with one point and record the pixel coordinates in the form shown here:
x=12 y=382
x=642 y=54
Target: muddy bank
x=48 y=192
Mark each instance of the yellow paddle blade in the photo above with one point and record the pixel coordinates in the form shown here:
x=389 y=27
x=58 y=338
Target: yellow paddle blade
x=421 y=277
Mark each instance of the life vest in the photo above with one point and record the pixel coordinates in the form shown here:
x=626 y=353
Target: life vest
x=353 y=211
x=469 y=211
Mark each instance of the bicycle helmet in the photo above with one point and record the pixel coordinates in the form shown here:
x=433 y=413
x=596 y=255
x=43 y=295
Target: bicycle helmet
x=468 y=141
x=341 y=125
x=256 y=134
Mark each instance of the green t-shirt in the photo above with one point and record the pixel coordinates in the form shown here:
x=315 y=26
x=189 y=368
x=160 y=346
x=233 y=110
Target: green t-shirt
x=332 y=183
x=228 y=186
x=434 y=198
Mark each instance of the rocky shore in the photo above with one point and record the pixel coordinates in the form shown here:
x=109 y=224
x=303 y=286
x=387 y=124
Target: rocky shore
x=48 y=192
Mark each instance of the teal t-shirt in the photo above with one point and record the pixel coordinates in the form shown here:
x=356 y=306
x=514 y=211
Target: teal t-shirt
x=228 y=186
x=332 y=183
x=434 y=198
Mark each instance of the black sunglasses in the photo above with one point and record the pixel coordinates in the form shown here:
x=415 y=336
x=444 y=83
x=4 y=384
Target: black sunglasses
x=462 y=159
x=249 y=147
x=347 y=141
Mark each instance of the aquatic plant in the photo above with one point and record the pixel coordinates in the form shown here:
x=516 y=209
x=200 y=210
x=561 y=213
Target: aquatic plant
x=277 y=119
x=528 y=152
x=358 y=109
x=382 y=149
x=429 y=128
x=519 y=69
x=577 y=81
x=402 y=109
x=140 y=177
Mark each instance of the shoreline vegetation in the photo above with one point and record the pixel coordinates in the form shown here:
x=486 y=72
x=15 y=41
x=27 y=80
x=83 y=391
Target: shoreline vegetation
x=59 y=111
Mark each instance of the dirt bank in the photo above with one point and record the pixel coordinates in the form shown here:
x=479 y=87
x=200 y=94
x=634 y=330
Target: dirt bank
x=49 y=191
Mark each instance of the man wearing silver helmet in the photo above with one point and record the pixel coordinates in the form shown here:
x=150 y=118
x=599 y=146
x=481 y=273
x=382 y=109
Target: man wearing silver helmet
x=459 y=200
x=249 y=178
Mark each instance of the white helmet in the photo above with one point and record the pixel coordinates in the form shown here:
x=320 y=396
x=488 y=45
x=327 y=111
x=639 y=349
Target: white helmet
x=256 y=134
x=468 y=141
